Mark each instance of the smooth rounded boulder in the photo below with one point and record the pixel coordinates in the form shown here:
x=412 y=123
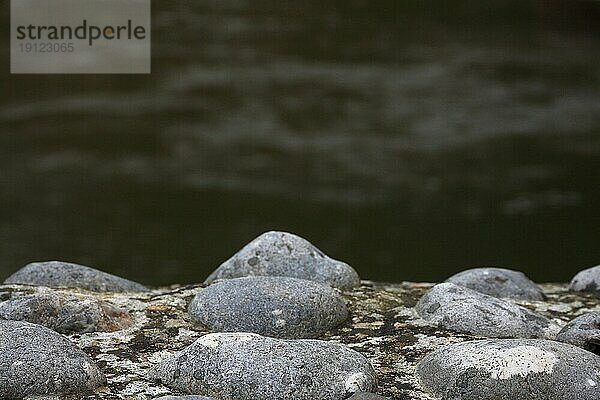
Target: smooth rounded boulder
x=583 y=331
x=35 y=360
x=498 y=282
x=587 y=280
x=68 y=275
x=284 y=254
x=511 y=369
x=271 y=306
x=461 y=309
x=247 y=366
x=66 y=313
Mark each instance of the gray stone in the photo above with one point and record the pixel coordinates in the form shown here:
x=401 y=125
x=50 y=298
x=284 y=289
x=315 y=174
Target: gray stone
x=246 y=366
x=192 y=397
x=498 y=282
x=272 y=306
x=366 y=396
x=66 y=313
x=284 y=254
x=464 y=310
x=583 y=331
x=587 y=280
x=511 y=369
x=64 y=274
x=35 y=360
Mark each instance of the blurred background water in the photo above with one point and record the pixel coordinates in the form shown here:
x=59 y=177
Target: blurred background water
x=411 y=139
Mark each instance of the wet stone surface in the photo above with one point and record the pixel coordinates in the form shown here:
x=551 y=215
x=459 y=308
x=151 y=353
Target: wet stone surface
x=277 y=253
x=382 y=326
x=271 y=306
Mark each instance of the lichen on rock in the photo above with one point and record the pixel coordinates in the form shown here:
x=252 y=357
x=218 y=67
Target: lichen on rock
x=382 y=325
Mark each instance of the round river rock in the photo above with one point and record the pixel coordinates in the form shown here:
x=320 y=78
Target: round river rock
x=285 y=254
x=464 y=310
x=66 y=313
x=583 y=331
x=246 y=366
x=271 y=306
x=63 y=274
x=35 y=360
x=511 y=369
x=587 y=280
x=499 y=282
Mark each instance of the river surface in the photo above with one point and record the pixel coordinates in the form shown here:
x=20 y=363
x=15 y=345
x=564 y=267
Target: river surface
x=411 y=139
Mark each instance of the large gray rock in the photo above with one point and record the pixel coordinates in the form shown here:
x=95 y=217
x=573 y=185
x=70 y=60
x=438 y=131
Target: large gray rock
x=35 y=360
x=246 y=366
x=464 y=310
x=583 y=331
x=64 y=274
x=511 y=369
x=587 y=280
x=284 y=254
x=272 y=306
x=498 y=282
x=66 y=313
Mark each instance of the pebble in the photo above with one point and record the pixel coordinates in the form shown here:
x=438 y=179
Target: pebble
x=271 y=306
x=35 y=360
x=583 y=331
x=511 y=369
x=587 y=280
x=285 y=254
x=499 y=282
x=464 y=310
x=66 y=313
x=366 y=396
x=247 y=366
x=64 y=274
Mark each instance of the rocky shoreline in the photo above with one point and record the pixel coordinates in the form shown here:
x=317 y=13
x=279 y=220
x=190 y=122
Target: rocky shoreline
x=253 y=337
x=383 y=326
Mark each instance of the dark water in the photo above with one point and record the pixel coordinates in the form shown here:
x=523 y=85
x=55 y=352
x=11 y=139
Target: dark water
x=411 y=139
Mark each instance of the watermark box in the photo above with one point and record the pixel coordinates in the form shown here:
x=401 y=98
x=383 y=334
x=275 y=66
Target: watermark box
x=80 y=37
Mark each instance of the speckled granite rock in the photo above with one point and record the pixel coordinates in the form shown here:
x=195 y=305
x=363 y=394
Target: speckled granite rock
x=69 y=275
x=464 y=310
x=366 y=396
x=190 y=397
x=272 y=306
x=382 y=326
x=35 y=360
x=587 y=280
x=498 y=282
x=285 y=254
x=583 y=331
x=66 y=313
x=247 y=366
x=511 y=369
